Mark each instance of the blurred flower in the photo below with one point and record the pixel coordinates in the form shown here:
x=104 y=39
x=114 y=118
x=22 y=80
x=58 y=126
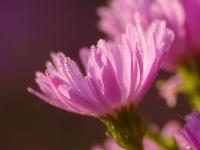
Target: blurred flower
x=151 y=145
x=170 y=135
x=108 y=145
x=192 y=129
x=183 y=142
x=121 y=12
x=183 y=16
x=170 y=128
x=115 y=75
x=170 y=89
x=112 y=145
x=164 y=137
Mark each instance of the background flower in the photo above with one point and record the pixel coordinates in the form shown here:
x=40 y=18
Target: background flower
x=170 y=89
x=181 y=16
x=108 y=145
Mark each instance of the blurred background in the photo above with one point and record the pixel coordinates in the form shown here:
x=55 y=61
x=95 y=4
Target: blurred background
x=29 y=31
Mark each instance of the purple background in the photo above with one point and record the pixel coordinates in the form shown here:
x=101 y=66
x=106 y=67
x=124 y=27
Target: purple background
x=29 y=30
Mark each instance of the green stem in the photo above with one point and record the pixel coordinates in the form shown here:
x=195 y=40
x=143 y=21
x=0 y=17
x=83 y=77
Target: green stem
x=126 y=128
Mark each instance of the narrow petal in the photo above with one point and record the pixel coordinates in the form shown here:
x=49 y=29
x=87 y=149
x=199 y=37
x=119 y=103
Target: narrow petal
x=84 y=56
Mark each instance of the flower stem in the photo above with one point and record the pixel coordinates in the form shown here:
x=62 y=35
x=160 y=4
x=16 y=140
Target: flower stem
x=126 y=128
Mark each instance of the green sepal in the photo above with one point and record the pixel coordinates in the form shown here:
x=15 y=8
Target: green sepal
x=125 y=127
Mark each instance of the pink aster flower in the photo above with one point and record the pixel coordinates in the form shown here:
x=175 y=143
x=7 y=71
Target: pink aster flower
x=115 y=75
x=183 y=16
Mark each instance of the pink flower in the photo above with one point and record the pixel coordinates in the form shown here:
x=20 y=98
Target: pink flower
x=183 y=16
x=170 y=89
x=170 y=129
x=168 y=133
x=115 y=75
x=121 y=12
